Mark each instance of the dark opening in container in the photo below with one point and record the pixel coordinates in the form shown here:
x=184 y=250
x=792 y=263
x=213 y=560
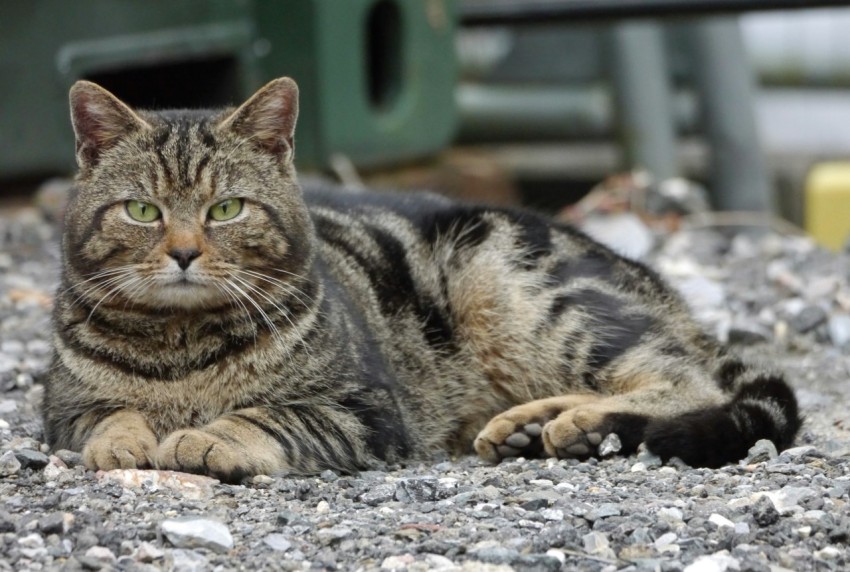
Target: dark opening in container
x=194 y=84
x=384 y=37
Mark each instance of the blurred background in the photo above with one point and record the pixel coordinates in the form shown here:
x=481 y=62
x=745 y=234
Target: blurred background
x=663 y=108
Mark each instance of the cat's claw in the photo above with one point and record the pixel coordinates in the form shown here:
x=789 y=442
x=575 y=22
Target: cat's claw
x=197 y=451
x=121 y=441
x=119 y=452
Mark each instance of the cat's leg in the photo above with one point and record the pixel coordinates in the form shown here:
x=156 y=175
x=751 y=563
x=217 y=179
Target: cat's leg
x=259 y=440
x=122 y=440
x=518 y=431
x=578 y=426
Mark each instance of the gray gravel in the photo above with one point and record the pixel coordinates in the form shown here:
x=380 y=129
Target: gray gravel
x=785 y=301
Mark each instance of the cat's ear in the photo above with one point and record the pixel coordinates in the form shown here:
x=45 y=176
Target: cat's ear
x=268 y=118
x=100 y=120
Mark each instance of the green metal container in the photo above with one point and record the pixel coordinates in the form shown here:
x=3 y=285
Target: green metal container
x=377 y=77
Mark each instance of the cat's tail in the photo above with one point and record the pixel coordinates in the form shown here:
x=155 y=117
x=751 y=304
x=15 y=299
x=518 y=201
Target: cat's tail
x=763 y=406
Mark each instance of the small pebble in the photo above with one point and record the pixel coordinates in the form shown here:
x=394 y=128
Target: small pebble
x=278 y=542
x=610 y=445
x=192 y=532
x=9 y=464
x=763 y=450
x=101 y=553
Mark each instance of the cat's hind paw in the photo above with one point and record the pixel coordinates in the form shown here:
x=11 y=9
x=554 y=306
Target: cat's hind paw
x=503 y=438
x=578 y=432
x=517 y=432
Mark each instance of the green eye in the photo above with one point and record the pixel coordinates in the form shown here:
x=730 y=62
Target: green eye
x=226 y=209
x=142 y=212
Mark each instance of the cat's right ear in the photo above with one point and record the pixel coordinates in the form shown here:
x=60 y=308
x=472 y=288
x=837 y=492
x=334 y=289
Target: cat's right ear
x=100 y=120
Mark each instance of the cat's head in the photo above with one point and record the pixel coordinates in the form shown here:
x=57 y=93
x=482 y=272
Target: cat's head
x=185 y=209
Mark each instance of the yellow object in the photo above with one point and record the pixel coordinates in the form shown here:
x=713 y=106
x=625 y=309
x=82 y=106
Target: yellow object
x=828 y=204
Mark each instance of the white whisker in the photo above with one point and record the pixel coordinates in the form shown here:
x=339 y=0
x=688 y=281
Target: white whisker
x=268 y=321
x=283 y=312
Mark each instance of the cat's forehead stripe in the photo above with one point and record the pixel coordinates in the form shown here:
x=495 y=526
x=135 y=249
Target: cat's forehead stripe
x=183 y=147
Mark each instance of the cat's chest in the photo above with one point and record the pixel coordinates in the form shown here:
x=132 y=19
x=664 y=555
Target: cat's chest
x=191 y=400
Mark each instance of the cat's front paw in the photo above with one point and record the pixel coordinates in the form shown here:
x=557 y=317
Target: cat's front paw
x=197 y=451
x=111 y=451
x=121 y=441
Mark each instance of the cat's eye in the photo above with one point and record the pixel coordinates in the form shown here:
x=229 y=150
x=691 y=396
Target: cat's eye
x=141 y=211
x=226 y=209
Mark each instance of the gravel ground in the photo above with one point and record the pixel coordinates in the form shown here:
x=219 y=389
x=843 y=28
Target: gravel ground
x=779 y=298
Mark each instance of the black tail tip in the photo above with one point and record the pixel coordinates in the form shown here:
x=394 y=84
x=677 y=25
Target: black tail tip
x=764 y=408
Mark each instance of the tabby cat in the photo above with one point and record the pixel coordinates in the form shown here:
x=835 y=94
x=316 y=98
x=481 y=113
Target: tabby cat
x=214 y=317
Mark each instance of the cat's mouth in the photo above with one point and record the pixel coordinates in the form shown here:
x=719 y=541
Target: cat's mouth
x=185 y=282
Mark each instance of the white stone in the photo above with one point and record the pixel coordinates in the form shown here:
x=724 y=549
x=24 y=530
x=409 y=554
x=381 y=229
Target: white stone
x=101 y=553
x=194 y=532
x=53 y=471
x=189 y=486
x=720 y=521
x=188 y=561
x=610 y=445
x=740 y=503
x=438 y=562
x=277 y=542
x=334 y=533
x=666 y=539
x=839 y=330
x=797 y=452
x=557 y=554
x=638 y=467
x=400 y=562
x=828 y=553
x=541 y=482
x=553 y=514
x=786 y=500
x=625 y=233
x=147 y=552
x=31 y=541
x=595 y=542
x=262 y=480
x=323 y=507
x=717 y=562
x=9 y=464
x=804 y=531
x=8 y=406
x=670 y=514
x=742 y=528
x=702 y=293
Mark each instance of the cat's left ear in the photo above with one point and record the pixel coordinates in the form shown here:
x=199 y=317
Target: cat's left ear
x=268 y=118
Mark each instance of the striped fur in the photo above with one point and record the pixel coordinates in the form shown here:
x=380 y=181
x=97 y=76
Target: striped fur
x=322 y=328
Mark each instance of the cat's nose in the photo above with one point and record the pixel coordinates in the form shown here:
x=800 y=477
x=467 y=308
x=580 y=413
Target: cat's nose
x=184 y=256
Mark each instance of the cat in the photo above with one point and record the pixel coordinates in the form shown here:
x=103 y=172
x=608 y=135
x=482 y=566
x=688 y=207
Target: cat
x=213 y=317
